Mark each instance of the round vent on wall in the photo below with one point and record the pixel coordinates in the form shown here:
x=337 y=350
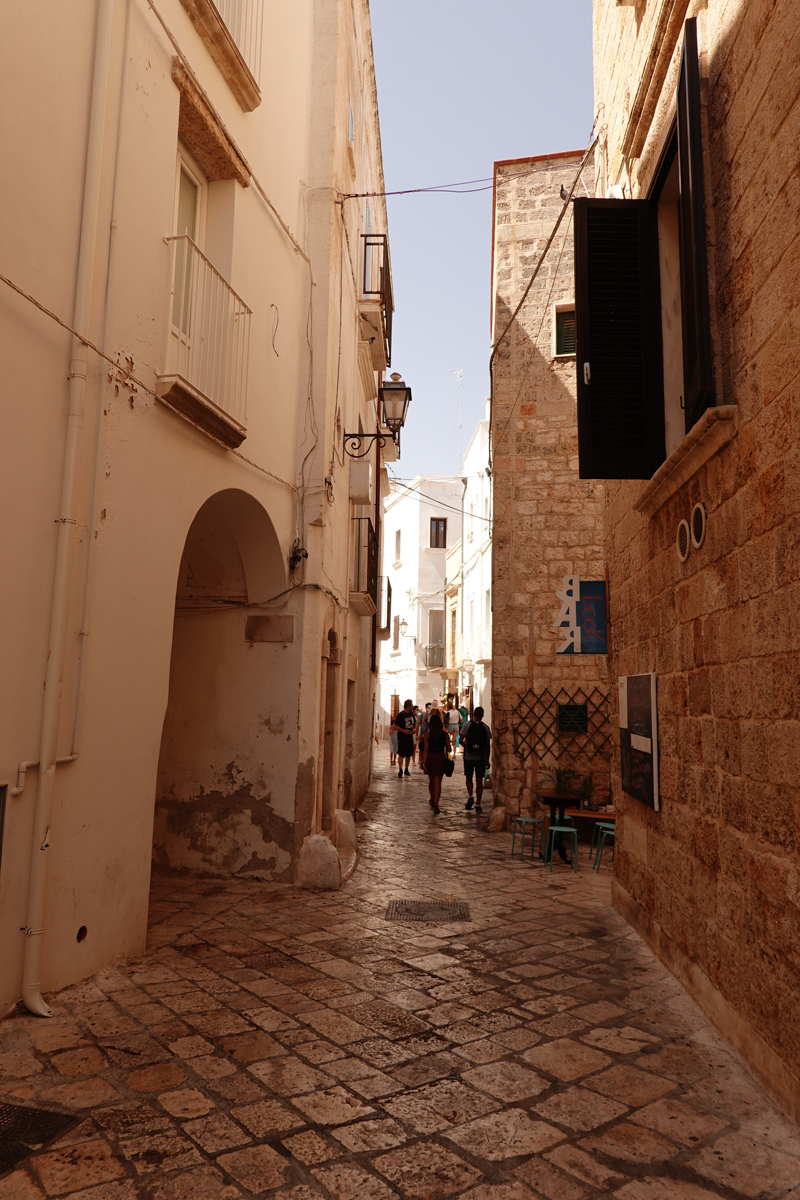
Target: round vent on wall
x=683 y=541
x=698 y=525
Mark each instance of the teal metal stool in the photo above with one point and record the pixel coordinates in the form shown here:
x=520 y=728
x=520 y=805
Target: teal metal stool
x=551 y=841
x=601 y=845
x=524 y=822
x=598 y=827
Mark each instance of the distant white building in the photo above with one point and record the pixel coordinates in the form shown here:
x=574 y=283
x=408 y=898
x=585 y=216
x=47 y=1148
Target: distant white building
x=422 y=521
x=468 y=657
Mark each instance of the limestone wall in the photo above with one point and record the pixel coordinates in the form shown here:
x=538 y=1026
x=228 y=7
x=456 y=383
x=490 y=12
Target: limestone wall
x=714 y=877
x=547 y=522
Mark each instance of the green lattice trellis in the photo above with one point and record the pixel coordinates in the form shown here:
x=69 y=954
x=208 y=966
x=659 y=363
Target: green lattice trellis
x=536 y=725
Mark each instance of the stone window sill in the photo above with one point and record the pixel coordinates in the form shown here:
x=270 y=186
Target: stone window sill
x=715 y=429
x=224 y=51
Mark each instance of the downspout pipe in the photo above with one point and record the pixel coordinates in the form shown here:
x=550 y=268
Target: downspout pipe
x=66 y=521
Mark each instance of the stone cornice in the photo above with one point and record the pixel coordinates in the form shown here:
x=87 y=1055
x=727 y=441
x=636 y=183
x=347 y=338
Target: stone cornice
x=715 y=428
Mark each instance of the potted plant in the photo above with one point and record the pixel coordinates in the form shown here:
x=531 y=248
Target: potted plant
x=563 y=784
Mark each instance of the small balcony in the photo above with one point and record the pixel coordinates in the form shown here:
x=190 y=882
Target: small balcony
x=377 y=303
x=434 y=656
x=384 y=608
x=209 y=347
x=364 y=573
x=232 y=32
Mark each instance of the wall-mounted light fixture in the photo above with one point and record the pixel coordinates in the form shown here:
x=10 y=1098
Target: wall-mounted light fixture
x=393 y=401
x=403 y=627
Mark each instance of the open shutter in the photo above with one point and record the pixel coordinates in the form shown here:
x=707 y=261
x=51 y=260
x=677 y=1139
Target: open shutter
x=698 y=375
x=618 y=333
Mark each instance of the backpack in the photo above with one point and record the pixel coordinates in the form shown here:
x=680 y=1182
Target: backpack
x=477 y=740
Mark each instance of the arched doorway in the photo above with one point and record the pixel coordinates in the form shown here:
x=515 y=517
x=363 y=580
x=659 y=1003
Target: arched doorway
x=227 y=770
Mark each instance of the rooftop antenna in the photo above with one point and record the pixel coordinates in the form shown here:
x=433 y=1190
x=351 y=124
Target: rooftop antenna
x=460 y=377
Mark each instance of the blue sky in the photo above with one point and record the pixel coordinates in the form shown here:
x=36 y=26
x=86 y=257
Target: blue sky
x=462 y=83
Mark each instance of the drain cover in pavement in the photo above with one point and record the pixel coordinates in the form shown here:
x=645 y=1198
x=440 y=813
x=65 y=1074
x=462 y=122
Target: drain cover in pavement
x=23 y=1130
x=440 y=911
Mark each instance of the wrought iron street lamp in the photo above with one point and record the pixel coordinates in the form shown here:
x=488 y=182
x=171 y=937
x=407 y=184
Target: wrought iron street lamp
x=393 y=400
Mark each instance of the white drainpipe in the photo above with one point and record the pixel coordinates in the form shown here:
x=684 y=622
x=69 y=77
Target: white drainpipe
x=51 y=706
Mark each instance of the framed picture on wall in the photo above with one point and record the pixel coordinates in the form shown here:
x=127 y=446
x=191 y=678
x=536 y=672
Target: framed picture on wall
x=638 y=737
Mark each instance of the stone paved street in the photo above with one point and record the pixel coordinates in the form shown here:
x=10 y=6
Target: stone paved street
x=295 y=1045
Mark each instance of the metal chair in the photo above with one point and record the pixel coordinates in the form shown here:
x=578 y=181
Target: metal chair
x=551 y=840
x=598 y=826
x=524 y=822
x=606 y=833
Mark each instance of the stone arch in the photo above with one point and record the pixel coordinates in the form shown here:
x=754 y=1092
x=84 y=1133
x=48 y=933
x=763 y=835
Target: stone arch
x=227 y=768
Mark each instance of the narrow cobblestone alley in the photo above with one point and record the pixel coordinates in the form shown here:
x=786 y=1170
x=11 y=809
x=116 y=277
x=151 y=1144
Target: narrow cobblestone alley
x=297 y=1045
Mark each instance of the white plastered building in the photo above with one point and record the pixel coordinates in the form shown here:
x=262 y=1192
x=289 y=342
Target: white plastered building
x=468 y=658
x=422 y=520
x=191 y=633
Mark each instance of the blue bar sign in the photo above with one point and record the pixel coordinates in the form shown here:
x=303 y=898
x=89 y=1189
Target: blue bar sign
x=582 y=620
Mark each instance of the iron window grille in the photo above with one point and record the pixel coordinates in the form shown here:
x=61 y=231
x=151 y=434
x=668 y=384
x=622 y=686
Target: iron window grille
x=378 y=281
x=574 y=722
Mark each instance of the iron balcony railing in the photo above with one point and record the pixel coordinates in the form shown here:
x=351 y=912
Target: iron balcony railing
x=210 y=343
x=385 y=606
x=378 y=281
x=434 y=656
x=245 y=22
x=365 y=559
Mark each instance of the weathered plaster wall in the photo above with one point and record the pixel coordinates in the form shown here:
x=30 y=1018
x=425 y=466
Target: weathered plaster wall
x=156 y=471
x=714 y=878
x=547 y=522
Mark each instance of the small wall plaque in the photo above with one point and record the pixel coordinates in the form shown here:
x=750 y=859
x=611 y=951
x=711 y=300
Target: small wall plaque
x=270 y=628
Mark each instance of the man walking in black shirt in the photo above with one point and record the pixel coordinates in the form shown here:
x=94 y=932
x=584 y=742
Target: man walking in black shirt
x=404 y=723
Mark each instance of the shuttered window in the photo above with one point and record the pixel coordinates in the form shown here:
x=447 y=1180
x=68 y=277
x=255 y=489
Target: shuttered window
x=396 y=633
x=565 y=331
x=618 y=309
x=618 y=337
x=698 y=374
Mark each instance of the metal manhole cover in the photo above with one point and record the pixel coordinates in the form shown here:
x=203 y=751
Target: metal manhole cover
x=440 y=911
x=23 y=1130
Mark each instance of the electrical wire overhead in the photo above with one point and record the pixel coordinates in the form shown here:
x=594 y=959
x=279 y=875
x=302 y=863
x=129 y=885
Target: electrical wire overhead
x=442 y=189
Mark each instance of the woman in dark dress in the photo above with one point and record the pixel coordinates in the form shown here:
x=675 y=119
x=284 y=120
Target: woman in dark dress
x=433 y=755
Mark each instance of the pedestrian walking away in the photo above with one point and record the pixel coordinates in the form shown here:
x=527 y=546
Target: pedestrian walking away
x=463 y=717
x=476 y=737
x=405 y=723
x=433 y=756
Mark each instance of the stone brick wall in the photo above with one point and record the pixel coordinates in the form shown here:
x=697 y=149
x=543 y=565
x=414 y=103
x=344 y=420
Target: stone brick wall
x=547 y=522
x=714 y=878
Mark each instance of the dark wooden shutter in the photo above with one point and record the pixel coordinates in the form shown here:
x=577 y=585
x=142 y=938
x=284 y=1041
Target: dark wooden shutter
x=618 y=335
x=698 y=374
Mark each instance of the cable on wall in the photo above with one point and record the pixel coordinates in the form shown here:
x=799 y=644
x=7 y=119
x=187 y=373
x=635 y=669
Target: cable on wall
x=134 y=378
x=593 y=139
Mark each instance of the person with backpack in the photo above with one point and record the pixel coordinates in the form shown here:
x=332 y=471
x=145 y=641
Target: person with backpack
x=405 y=723
x=476 y=738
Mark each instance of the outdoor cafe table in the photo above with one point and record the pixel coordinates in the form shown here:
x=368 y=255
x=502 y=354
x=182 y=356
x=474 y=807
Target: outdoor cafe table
x=586 y=814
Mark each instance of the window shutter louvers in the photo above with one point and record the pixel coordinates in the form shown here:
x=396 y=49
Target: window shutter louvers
x=618 y=336
x=697 y=361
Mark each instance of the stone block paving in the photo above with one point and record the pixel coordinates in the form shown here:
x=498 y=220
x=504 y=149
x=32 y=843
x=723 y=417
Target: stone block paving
x=292 y=1045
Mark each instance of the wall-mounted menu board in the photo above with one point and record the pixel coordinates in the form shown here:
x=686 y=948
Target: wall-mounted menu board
x=638 y=737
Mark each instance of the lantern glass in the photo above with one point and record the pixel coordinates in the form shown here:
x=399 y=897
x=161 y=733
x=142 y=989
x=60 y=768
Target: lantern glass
x=395 y=397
